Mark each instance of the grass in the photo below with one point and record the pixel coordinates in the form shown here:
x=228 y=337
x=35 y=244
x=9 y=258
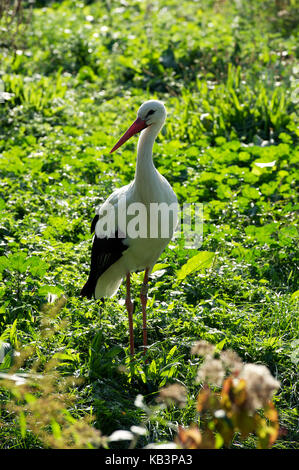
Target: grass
x=74 y=77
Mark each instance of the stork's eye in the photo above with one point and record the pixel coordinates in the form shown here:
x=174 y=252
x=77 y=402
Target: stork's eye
x=151 y=111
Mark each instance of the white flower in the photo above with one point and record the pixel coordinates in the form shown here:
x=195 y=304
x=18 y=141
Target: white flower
x=139 y=401
x=174 y=393
x=139 y=430
x=203 y=348
x=260 y=385
x=211 y=371
x=121 y=435
x=166 y=445
x=231 y=360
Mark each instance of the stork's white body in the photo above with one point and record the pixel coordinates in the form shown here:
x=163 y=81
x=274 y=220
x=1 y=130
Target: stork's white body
x=148 y=186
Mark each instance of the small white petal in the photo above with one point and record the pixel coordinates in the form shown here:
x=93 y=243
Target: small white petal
x=121 y=435
x=166 y=445
x=220 y=414
x=138 y=430
x=266 y=164
x=139 y=401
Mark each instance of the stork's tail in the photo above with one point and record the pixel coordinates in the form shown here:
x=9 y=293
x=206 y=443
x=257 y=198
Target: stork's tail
x=105 y=286
x=88 y=290
x=108 y=284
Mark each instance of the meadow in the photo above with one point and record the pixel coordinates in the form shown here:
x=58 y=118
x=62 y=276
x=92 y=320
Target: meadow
x=72 y=76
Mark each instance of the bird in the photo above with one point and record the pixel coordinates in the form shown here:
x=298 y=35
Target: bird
x=124 y=242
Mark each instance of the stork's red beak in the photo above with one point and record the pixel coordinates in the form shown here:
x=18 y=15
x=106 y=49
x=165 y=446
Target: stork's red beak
x=136 y=127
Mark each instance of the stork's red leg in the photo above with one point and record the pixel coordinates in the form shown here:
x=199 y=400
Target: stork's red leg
x=143 y=298
x=130 y=309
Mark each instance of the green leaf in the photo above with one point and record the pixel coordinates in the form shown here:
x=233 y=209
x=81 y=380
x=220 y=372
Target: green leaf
x=171 y=353
x=250 y=192
x=3 y=263
x=6 y=355
x=13 y=333
x=153 y=367
x=199 y=262
x=37 y=266
x=295 y=295
x=56 y=429
x=2 y=204
x=221 y=344
x=64 y=357
x=219 y=441
x=22 y=423
x=18 y=262
x=43 y=291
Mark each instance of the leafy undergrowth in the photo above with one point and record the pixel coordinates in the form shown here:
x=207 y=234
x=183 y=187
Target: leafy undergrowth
x=73 y=78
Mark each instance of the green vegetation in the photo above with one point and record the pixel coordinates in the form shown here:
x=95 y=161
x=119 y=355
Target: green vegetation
x=72 y=76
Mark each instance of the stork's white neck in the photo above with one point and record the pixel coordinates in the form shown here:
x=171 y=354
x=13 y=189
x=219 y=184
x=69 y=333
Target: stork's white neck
x=145 y=168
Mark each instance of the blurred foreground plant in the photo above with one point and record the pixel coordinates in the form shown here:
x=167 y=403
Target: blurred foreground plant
x=40 y=399
x=248 y=389
x=243 y=405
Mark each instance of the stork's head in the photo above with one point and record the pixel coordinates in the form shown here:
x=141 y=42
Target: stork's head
x=150 y=113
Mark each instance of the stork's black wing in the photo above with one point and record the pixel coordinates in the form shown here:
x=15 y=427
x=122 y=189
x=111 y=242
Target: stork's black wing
x=104 y=253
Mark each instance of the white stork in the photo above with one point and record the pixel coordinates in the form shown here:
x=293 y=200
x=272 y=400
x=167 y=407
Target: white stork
x=117 y=253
